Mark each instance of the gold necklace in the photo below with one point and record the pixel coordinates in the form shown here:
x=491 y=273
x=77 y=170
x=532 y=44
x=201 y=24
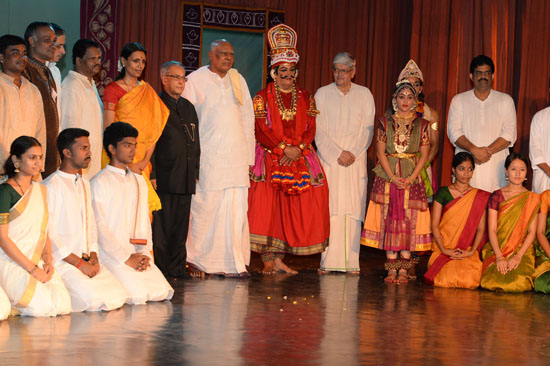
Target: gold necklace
x=459 y=191
x=287 y=114
x=128 y=88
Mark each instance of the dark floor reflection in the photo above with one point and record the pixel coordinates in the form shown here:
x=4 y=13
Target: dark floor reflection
x=305 y=319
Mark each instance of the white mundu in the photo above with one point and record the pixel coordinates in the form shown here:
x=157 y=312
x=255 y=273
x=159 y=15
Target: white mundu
x=219 y=237
x=73 y=230
x=539 y=149
x=5 y=307
x=119 y=199
x=81 y=107
x=482 y=122
x=345 y=122
x=21 y=113
x=28 y=224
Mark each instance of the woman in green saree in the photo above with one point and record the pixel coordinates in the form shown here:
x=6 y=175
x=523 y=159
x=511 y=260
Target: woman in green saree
x=541 y=277
x=508 y=257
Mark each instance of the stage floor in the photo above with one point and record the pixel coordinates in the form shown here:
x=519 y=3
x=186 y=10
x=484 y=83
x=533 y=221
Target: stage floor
x=305 y=319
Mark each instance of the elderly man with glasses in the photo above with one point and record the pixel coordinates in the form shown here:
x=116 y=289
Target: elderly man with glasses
x=344 y=132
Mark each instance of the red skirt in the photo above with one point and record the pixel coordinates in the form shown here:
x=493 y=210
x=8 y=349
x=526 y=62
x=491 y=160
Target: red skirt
x=282 y=223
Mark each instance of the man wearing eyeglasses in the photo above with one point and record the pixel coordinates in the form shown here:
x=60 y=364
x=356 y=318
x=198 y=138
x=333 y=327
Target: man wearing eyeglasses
x=40 y=39
x=345 y=127
x=175 y=171
x=482 y=121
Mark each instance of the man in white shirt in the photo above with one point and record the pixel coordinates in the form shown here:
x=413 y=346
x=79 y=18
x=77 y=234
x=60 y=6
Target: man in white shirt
x=21 y=110
x=482 y=121
x=81 y=105
x=539 y=149
x=59 y=52
x=219 y=239
x=345 y=126
x=73 y=232
x=119 y=199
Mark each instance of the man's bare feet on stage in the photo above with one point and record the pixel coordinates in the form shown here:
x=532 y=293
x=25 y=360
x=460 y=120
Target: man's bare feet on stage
x=269 y=268
x=195 y=272
x=279 y=266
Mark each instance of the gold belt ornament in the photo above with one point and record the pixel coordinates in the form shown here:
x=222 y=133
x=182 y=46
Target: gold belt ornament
x=402 y=155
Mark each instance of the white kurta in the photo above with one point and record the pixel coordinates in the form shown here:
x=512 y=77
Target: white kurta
x=119 y=200
x=482 y=122
x=219 y=239
x=56 y=73
x=73 y=230
x=539 y=149
x=345 y=122
x=81 y=107
x=21 y=113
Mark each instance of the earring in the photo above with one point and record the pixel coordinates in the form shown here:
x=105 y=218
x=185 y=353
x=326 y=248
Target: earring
x=453 y=178
x=506 y=177
x=16 y=167
x=394 y=104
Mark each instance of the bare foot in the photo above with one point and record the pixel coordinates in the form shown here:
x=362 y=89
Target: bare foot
x=195 y=272
x=354 y=273
x=281 y=267
x=268 y=268
x=322 y=271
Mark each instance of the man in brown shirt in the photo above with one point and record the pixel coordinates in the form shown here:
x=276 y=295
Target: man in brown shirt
x=40 y=39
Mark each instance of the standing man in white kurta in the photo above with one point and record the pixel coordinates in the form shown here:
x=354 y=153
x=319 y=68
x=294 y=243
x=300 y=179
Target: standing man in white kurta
x=73 y=231
x=219 y=239
x=539 y=150
x=482 y=121
x=119 y=199
x=345 y=127
x=21 y=109
x=81 y=106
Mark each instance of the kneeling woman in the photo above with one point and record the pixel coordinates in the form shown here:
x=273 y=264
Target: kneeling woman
x=458 y=226
x=398 y=219
x=541 y=277
x=508 y=258
x=26 y=268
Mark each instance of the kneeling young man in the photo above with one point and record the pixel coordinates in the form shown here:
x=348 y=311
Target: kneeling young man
x=73 y=232
x=119 y=199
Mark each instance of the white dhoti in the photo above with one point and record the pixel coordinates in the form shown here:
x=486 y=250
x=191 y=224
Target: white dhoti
x=149 y=285
x=5 y=307
x=219 y=237
x=101 y=292
x=342 y=253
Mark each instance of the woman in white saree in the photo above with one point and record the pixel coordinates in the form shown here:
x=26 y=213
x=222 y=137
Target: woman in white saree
x=26 y=270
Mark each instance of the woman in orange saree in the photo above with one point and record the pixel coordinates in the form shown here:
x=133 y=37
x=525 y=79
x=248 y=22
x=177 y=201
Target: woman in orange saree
x=130 y=100
x=508 y=257
x=458 y=226
x=541 y=277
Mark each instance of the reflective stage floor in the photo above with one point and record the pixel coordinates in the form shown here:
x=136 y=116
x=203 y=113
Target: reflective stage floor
x=305 y=319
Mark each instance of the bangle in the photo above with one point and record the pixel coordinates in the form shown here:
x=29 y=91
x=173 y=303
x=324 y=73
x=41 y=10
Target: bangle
x=302 y=146
x=500 y=258
x=33 y=269
x=391 y=179
x=80 y=263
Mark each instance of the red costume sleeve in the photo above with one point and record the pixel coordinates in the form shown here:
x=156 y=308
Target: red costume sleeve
x=264 y=135
x=312 y=112
x=111 y=95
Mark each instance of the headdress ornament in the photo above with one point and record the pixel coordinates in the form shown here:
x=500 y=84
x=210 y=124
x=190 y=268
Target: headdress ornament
x=282 y=41
x=411 y=70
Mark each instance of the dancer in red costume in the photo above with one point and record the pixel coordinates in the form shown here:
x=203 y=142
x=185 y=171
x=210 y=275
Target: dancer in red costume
x=288 y=197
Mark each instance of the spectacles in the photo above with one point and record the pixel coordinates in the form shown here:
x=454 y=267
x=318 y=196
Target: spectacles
x=341 y=71
x=179 y=77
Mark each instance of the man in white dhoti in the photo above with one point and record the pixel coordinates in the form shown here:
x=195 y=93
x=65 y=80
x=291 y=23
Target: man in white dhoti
x=119 y=200
x=21 y=110
x=219 y=239
x=482 y=121
x=539 y=150
x=80 y=103
x=345 y=127
x=73 y=231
